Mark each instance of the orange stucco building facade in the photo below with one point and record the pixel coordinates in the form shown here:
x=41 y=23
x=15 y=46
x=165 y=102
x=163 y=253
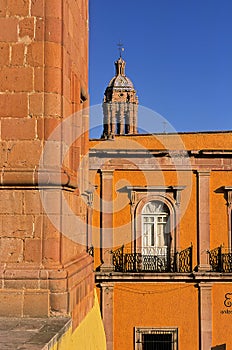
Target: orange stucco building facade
x=161 y=230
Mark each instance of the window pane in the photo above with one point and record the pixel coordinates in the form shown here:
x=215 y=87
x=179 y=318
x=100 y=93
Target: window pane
x=157 y=341
x=155 y=233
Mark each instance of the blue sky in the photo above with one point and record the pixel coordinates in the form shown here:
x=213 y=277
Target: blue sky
x=178 y=55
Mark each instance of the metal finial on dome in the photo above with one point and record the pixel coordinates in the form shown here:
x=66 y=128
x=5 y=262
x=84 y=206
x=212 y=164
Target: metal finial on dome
x=120 y=48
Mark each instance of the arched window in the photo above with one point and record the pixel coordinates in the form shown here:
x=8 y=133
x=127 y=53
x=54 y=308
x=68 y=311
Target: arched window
x=156 y=237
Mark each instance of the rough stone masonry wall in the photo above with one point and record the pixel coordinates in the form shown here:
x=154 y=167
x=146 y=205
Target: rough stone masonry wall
x=43 y=79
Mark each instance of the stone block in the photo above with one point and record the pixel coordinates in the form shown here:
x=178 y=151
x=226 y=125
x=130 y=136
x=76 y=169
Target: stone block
x=18 y=129
x=8 y=29
x=11 y=250
x=58 y=285
x=3 y=8
x=53 y=30
x=45 y=126
x=11 y=202
x=74 y=297
x=13 y=105
x=19 y=7
x=51 y=226
x=31 y=151
x=4 y=54
x=17 y=79
x=39 y=29
x=19 y=226
x=33 y=253
x=37 y=8
x=17 y=54
x=15 y=273
x=67 y=88
x=53 y=9
x=59 y=302
x=67 y=66
x=52 y=104
x=39 y=79
x=36 y=303
x=21 y=283
x=36 y=104
x=51 y=251
x=26 y=27
x=53 y=80
x=38 y=226
x=67 y=108
x=52 y=154
x=35 y=54
x=11 y=303
x=53 y=55
x=32 y=202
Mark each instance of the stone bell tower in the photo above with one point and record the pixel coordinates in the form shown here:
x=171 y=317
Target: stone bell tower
x=120 y=105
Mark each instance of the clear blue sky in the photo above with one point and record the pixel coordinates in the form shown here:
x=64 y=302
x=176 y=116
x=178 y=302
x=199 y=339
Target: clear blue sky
x=178 y=55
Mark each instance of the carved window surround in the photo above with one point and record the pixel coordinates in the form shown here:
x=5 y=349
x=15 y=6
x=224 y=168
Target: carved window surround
x=138 y=192
x=153 y=337
x=140 y=196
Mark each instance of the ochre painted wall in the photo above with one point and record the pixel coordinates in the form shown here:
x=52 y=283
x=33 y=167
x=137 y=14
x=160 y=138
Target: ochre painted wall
x=171 y=304
x=154 y=305
x=218 y=208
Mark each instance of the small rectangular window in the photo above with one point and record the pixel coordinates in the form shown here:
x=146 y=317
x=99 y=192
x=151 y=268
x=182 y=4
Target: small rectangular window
x=156 y=339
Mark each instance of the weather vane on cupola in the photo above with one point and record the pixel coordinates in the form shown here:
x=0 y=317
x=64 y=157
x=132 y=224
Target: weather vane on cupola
x=120 y=48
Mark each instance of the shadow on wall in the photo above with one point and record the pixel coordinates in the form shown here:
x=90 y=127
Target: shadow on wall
x=219 y=347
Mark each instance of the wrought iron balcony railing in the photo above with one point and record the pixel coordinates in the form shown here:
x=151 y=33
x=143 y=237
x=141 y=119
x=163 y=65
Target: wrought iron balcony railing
x=220 y=259
x=139 y=262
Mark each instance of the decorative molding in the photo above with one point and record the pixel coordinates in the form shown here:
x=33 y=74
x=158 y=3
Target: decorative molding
x=203 y=172
x=228 y=191
x=107 y=173
x=175 y=190
x=194 y=277
x=46 y=177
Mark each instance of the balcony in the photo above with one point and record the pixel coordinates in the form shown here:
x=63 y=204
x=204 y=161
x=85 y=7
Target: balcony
x=163 y=262
x=220 y=259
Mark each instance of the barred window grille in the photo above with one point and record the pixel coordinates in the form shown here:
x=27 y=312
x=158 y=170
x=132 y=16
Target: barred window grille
x=156 y=339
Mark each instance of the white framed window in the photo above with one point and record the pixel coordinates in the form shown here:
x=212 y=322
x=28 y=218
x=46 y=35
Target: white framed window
x=155 y=229
x=156 y=338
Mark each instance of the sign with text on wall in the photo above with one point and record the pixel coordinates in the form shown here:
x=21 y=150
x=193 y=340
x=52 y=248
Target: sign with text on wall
x=227 y=304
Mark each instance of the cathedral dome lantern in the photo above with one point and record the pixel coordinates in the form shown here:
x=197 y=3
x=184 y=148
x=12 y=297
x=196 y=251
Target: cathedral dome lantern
x=120 y=104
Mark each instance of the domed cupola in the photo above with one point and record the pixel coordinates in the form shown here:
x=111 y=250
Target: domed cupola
x=120 y=104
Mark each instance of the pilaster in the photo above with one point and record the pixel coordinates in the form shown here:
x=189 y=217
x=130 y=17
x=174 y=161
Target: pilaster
x=107 y=218
x=107 y=291
x=228 y=191
x=205 y=314
x=203 y=219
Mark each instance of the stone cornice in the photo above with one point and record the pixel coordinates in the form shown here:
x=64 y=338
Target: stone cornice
x=49 y=177
x=110 y=152
x=155 y=188
x=194 y=277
